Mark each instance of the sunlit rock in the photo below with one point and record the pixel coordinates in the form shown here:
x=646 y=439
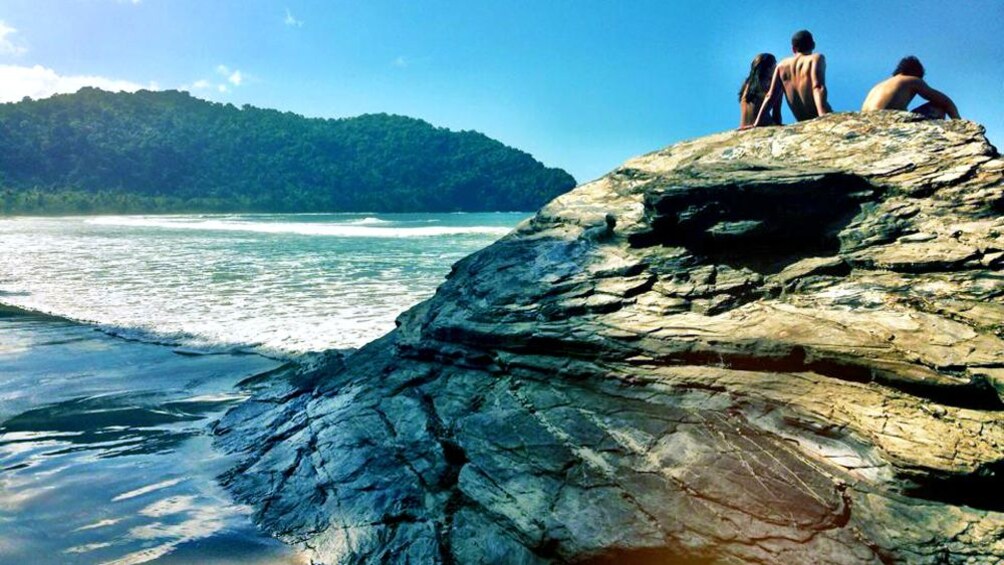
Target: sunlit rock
x=774 y=346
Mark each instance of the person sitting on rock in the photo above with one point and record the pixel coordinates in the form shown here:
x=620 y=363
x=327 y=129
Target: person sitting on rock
x=907 y=81
x=802 y=77
x=754 y=90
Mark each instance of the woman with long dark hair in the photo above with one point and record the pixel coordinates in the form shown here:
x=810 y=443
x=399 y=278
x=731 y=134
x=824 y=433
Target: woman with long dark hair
x=754 y=91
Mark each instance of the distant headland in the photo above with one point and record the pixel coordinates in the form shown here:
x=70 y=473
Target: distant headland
x=161 y=152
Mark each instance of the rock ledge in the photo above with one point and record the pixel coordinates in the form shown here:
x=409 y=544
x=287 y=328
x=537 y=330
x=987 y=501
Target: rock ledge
x=775 y=346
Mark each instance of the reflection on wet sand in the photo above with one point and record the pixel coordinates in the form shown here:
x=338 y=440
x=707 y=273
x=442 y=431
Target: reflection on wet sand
x=104 y=456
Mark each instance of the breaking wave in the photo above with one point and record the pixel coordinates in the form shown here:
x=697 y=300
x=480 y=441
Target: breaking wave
x=364 y=227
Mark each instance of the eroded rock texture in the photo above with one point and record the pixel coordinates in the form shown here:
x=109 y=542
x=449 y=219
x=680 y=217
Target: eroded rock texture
x=775 y=346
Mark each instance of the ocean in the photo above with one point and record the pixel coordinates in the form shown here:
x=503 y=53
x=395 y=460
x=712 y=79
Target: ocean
x=122 y=338
x=272 y=283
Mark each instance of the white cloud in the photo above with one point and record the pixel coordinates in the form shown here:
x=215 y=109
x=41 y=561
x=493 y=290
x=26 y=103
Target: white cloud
x=400 y=62
x=7 y=46
x=230 y=79
x=234 y=76
x=16 y=82
x=291 y=20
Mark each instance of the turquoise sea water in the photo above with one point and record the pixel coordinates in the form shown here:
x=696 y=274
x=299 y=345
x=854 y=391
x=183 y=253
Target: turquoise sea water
x=278 y=283
x=157 y=323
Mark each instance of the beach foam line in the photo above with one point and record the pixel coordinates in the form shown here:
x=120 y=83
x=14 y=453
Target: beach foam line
x=368 y=221
x=183 y=343
x=301 y=228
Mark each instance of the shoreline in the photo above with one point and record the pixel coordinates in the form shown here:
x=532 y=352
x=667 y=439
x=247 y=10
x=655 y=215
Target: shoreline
x=150 y=338
x=6 y=216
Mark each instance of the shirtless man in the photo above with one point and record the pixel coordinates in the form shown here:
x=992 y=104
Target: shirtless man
x=803 y=78
x=908 y=81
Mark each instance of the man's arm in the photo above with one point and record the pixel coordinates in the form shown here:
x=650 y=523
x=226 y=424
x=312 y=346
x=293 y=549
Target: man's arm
x=773 y=96
x=819 y=86
x=937 y=98
x=776 y=111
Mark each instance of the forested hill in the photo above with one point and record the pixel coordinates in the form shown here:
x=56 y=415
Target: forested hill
x=96 y=151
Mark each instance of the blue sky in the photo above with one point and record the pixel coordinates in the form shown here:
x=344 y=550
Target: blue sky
x=581 y=84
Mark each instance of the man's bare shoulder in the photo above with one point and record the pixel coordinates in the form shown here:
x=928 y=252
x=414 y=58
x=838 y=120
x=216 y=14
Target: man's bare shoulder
x=787 y=62
x=906 y=81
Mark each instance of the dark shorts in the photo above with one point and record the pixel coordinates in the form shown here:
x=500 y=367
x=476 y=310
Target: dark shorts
x=930 y=110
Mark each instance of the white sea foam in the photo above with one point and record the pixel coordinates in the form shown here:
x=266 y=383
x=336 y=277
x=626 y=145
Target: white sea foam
x=369 y=221
x=364 y=227
x=216 y=283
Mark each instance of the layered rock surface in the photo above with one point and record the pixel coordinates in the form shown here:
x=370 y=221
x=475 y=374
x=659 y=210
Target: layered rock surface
x=774 y=346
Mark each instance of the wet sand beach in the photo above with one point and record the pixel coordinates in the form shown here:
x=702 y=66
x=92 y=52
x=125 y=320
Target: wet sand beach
x=105 y=455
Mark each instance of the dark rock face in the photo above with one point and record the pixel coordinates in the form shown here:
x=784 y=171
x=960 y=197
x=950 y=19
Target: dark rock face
x=777 y=346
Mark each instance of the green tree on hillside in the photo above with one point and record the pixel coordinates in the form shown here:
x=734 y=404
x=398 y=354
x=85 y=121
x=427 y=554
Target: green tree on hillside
x=96 y=151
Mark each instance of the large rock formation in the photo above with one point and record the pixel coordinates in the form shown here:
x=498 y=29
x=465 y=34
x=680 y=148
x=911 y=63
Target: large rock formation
x=773 y=346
